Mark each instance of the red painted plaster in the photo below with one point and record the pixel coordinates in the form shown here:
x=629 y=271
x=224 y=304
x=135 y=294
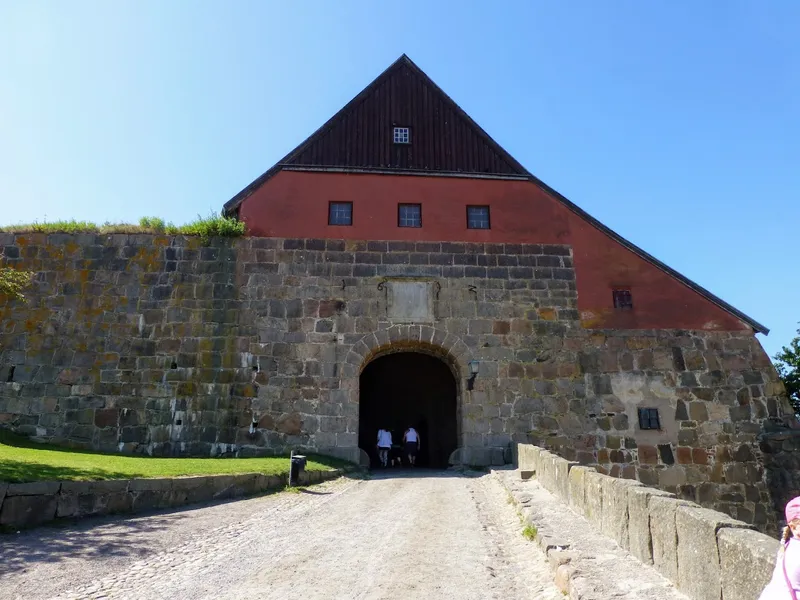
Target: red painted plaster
x=295 y=204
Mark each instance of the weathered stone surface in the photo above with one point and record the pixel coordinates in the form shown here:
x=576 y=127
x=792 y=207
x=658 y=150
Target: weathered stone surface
x=594 y=498
x=67 y=505
x=664 y=536
x=528 y=456
x=640 y=541
x=148 y=485
x=699 y=574
x=614 y=510
x=577 y=488
x=34 y=488
x=107 y=486
x=74 y=488
x=27 y=510
x=747 y=559
x=561 y=469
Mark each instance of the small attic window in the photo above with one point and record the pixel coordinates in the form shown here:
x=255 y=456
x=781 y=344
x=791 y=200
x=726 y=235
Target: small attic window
x=623 y=299
x=402 y=135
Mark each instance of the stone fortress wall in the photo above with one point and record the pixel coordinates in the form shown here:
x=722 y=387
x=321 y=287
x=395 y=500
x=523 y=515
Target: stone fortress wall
x=160 y=345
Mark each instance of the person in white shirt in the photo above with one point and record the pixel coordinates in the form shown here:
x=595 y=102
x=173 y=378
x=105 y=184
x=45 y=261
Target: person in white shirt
x=384 y=445
x=411 y=439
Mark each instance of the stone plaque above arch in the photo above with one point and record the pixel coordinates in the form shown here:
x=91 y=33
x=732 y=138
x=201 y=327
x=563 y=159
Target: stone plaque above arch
x=410 y=300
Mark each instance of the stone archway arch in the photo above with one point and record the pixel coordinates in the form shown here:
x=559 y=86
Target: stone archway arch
x=413 y=338
x=423 y=339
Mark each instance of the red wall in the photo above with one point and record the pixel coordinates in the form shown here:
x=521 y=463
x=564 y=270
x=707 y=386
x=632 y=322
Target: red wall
x=295 y=204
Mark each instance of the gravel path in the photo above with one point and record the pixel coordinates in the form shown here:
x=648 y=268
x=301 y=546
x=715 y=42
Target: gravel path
x=430 y=535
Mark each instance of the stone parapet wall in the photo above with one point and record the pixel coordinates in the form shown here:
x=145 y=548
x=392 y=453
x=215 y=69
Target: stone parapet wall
x=31 y=504
x=159 y=345
x=705 y=553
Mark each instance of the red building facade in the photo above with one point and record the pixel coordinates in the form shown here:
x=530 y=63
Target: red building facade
x=442 y=166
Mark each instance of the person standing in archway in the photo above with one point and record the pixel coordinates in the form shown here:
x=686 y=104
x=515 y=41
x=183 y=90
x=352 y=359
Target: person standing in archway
x=411 y=440
x=384 y=445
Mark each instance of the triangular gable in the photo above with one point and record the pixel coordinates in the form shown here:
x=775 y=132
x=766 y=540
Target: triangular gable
x=445 y=141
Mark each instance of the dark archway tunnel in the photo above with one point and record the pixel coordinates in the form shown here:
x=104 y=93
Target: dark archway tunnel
x=409 y=389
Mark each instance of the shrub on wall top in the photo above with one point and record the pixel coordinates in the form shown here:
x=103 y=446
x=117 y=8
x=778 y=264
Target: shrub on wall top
x=205 y=228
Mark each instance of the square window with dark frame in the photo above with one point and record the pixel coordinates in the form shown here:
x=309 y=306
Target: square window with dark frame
x=478 y=217
x=409 y=215
x=623 y=299
x=402 y=135
x=340 y=213
x=648 y=418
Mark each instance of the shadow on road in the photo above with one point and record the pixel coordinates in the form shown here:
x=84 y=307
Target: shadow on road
x=106 y=536
x=102 y=536
x=420 y=473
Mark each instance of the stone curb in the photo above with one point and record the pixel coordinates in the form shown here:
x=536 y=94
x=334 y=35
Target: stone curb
x=24 y=505
x=555 y=550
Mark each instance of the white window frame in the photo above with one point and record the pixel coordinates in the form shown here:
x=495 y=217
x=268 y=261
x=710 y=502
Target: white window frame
x=409 y=220
x=337 y=210
x=402 y=135
x=479 y=221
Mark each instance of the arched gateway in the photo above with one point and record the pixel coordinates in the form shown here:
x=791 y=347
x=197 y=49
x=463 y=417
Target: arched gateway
x=411 y=375
x=409 y=389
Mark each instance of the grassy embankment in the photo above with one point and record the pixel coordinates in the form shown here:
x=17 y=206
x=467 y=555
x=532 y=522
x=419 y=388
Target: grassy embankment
x=22 y=460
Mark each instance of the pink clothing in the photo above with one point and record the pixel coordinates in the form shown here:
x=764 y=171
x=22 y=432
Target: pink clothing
x=793 y=509
x=777 y=589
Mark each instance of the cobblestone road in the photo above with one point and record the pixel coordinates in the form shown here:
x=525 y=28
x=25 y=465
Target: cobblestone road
x=430 y=535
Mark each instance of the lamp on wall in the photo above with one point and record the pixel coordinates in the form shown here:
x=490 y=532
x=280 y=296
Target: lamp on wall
x=474 y=366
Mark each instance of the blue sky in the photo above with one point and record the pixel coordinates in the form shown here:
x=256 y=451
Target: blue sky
x=675 y=123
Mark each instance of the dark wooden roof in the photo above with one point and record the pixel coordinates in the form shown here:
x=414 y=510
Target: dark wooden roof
x=443 y=137
x=445 y=141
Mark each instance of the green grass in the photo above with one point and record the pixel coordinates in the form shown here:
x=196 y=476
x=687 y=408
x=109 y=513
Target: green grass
x=22 y=460
x=529 y=532
x=205 y=228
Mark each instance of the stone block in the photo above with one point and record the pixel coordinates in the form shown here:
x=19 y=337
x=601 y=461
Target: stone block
x=146 y=500
x=66 y=505
x=34 y=488
x=109 y=486
x=699 y=574
x=615 y=509
x=594 y=498
x=75 y=488
x=149 y=485
x=28 y=510
x=663 y=534
x=640 y=542
x=3 y=489
x=530 y=457
x=561 y=468
x=117 y=502
x=747 y=559
x=577 y=488
x=195 y=489
x=245 y=484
